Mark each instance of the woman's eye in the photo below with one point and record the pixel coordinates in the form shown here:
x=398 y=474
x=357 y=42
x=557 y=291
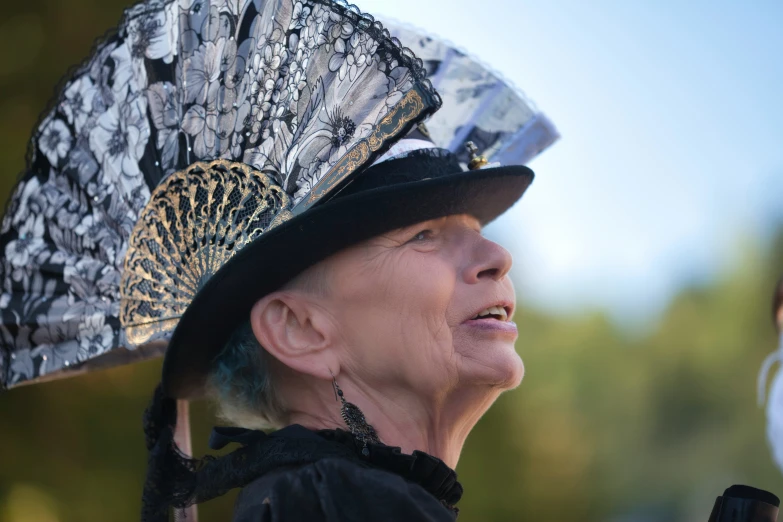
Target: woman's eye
x=424 y=235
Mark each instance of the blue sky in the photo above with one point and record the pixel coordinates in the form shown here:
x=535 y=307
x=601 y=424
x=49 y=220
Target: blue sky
x=672 y=152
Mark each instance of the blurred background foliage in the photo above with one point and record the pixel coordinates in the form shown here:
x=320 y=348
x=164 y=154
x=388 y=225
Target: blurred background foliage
x=610 y=423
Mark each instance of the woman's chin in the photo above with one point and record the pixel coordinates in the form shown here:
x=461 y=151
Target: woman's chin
x=495 y=364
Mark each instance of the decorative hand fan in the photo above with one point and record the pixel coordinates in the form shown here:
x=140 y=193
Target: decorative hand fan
x=479 y=105
x=303 y=93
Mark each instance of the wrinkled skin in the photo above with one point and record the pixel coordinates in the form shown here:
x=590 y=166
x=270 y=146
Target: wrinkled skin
x=390 y=319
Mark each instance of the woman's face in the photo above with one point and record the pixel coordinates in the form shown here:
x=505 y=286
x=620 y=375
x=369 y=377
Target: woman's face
x=426 y=308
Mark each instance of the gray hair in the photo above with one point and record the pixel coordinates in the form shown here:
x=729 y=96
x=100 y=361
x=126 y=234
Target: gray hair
x=242 y=384
x=241 y=380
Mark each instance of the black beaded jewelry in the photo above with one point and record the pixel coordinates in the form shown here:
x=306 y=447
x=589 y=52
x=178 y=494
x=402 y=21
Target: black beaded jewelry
x=354 y=419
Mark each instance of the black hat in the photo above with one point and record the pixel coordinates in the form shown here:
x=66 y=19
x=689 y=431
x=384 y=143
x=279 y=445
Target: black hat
x=205 y=155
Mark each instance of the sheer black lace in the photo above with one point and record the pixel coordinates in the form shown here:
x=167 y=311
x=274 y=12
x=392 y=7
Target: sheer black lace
x=175 y=481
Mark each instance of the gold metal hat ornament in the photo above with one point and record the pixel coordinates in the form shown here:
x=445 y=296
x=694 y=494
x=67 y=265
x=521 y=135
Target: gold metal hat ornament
x=476 y=161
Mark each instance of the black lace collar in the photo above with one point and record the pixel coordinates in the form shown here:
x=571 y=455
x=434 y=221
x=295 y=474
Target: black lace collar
x=428 y=471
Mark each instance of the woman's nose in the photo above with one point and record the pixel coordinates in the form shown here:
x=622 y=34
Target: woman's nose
x=490 y=260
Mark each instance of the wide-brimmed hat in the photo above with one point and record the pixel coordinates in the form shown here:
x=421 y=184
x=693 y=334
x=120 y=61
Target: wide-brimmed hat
x=210 y=151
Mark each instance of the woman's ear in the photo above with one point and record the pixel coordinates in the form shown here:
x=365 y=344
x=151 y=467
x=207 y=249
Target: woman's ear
x=291 y=328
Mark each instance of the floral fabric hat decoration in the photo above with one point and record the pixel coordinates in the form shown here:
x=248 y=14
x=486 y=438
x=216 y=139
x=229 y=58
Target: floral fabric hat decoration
x=292 y=98
x=208 y=151
x=479 y=105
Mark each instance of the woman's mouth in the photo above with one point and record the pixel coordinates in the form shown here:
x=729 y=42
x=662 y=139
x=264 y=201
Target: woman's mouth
x=493 y=319
x=498 y=313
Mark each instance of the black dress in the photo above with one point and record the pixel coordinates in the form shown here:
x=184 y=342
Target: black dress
x=323 y=476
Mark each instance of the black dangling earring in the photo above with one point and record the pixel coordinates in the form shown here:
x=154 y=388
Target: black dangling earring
x=354 y=419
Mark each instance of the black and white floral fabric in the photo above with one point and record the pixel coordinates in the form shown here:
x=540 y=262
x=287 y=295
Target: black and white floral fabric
x=288 y=87
x=479 y=105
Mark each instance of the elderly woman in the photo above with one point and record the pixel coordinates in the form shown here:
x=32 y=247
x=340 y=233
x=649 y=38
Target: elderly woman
x=376 y=360
x=413 y=326
x=249 y=187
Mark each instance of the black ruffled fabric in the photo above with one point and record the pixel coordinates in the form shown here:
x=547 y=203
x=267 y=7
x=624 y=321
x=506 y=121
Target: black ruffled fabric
x=321 y=475
x=175 y=481
x=324 y=476
x=428 y=471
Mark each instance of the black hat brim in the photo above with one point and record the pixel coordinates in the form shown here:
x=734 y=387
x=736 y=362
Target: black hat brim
x=224 y=302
